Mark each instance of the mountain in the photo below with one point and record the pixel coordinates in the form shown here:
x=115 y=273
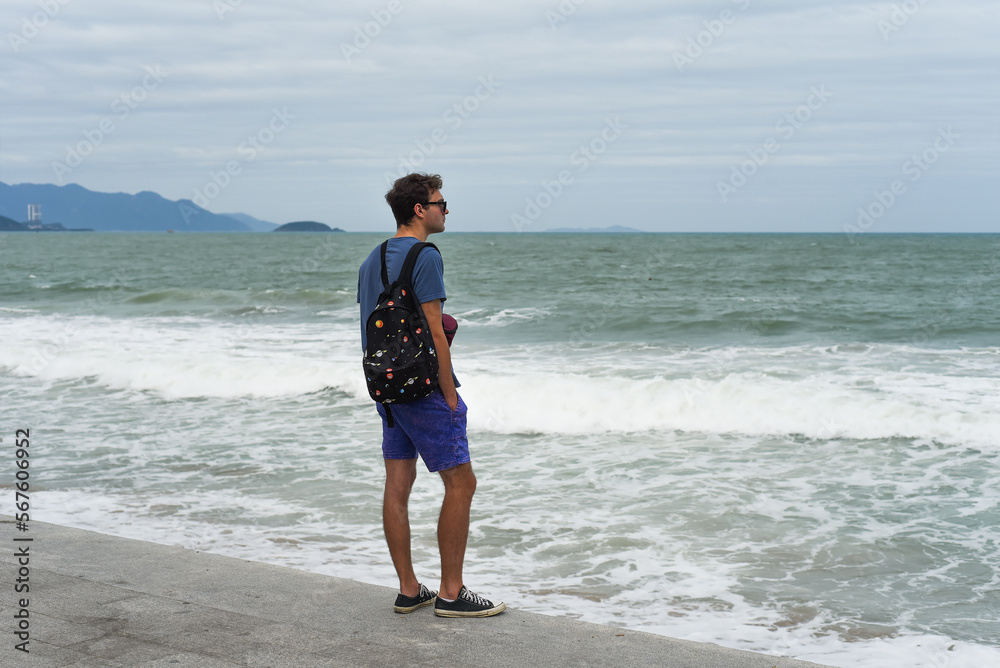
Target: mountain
x=74 y=206
x=255 y=224
x=9 y=224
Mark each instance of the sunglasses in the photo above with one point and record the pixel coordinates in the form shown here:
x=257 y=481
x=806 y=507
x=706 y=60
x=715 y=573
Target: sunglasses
x=441 y=203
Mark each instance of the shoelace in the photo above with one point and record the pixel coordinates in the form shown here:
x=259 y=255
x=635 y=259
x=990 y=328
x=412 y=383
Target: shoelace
x=475 y=598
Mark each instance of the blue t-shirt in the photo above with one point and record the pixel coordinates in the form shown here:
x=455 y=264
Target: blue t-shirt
x=428 y=277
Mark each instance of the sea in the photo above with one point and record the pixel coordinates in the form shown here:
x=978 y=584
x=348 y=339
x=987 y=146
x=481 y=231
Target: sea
x=780 y=443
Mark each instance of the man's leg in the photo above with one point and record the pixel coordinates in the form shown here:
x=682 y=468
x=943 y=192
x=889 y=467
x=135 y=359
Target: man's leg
x=399 y=477
x=453 y=526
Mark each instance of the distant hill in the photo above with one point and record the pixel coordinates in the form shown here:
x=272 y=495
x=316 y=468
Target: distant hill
x=614 y=229
x=307 y=226
x=75 y=207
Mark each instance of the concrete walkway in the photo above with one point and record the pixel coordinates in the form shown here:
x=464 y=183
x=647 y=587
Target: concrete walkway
x=99 y=600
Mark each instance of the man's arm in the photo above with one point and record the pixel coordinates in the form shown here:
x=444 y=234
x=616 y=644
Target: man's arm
x=432 y=311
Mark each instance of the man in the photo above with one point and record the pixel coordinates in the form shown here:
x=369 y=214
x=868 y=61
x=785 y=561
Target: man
x=433 y=427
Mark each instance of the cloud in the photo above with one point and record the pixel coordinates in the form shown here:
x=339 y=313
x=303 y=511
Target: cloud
x=698 y=84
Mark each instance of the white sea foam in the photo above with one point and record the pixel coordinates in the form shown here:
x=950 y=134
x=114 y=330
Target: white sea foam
x=821 y=406
x=184 y=357
x=945 y=396
x=482 y=317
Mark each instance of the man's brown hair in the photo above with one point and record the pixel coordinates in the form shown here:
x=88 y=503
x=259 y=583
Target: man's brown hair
x=409 y=191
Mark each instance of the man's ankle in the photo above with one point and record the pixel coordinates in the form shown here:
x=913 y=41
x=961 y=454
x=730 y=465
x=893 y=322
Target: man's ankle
x=449 y=594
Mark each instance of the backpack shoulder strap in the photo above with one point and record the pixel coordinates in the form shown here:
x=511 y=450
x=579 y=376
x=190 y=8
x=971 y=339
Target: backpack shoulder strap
x=385 y=271
x=406 y=273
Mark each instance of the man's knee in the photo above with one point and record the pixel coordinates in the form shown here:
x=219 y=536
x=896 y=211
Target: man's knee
x=469 y=484
x=459 y=480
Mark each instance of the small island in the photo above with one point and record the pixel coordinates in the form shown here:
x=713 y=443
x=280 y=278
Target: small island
x=307 y=226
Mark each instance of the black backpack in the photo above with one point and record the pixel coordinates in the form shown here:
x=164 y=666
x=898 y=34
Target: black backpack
x=400 y=362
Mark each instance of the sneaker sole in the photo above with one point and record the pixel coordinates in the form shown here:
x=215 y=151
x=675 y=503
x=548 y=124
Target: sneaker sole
x=476 y=613
x=401 y=610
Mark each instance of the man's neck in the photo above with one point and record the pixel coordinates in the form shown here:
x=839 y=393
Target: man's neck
x=413 y=230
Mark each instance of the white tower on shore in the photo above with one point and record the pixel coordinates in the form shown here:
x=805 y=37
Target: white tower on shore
x=34 y=213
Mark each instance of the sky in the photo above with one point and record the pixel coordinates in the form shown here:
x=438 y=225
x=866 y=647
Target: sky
x=665 y=116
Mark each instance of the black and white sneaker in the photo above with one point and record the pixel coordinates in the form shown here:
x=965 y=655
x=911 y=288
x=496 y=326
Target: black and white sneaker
x=406 y=604
x=468 y=604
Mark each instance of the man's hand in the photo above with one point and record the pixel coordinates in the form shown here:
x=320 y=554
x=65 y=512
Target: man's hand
x=432 y=311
